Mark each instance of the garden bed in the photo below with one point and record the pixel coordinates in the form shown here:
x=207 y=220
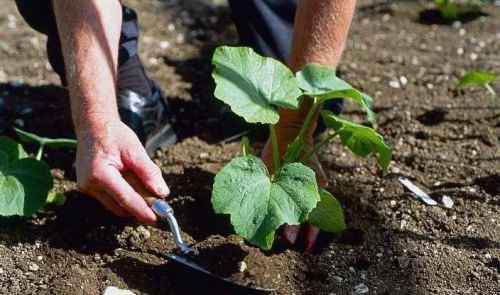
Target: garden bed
x=445 y=141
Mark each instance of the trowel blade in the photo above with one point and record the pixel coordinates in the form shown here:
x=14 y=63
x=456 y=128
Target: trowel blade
x=242 y=289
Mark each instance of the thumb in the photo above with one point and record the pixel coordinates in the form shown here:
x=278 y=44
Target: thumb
x=146 y=170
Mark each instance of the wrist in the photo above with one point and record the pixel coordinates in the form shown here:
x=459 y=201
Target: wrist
x=92 y=124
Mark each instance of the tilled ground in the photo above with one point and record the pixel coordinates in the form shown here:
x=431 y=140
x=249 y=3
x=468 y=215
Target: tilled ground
x=445 y=141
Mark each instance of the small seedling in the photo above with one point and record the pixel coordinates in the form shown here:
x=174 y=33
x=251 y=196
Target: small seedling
x=476 y=78
x=259 y=203
x=453 y=9
x=25 y=182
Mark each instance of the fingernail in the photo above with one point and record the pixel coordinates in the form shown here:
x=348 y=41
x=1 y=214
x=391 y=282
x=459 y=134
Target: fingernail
x=163 y=191
x=151 y=216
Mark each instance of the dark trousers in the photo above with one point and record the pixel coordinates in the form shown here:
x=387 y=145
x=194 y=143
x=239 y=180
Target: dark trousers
x=265 y=25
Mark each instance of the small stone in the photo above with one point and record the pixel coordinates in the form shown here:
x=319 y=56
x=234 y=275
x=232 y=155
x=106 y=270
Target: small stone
x=487 y=256
x=1 y=270
x=143 y=232
x=403 y=80
x=351 y=269
x=39 y=258
x=361 y=289
x=394 y=84
x=461 y=32
x=447 y=202
x=392 y=203
x=460 y=51
x=116 y=291
x=33 y=267
x=429 y=86
x=164 y=44
x=242 y=266
x=203 y=155
x=473 y=56
x=403 y=261
x=19 y=122
x=457 y=24
x=337 y=280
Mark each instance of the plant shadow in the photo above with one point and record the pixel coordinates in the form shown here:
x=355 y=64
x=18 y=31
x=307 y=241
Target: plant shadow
x=433 y=16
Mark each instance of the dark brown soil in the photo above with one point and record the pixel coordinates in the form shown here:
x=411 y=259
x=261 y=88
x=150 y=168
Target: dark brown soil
x=444 y=140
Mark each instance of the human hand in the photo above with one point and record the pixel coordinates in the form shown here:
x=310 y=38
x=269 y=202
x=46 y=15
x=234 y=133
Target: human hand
x=106 y=152
x=285 y=136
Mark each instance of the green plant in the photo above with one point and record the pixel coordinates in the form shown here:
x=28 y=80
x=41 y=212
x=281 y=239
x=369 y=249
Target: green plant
x=53 y=143
x=476 y=78
x=25 y=182
x=452 y=9
x=259 y=203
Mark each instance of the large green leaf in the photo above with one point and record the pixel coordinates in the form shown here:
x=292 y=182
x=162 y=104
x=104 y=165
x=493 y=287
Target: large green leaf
x=24 y=184
x=13 y=149
x=360 y=139
x=328 y=215
x=322 y=82
x=476 y=79
x=253 y=85
x=47 y=142
x=257 y=205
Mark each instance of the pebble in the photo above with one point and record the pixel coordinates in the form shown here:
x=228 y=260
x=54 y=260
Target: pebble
x=242 y=266
x=361 y=289
x=164 y=44
x=39 y=258
x=392 y=203
x=403 y=261
x=487 y=256
x=447 y=201
x=337 y=280
x=33 y=267
x=403 y=80
x=203 y=155
x=460 y=51
x=351 y=269
x=116 y=291
x=473 y=56
x=144 y=232
x=394 y=84
x=1 y=270
x=461 y=32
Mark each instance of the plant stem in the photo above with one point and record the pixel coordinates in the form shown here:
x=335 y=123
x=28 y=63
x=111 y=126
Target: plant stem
x=274 y=144
x=490 y=89
x=39 y=154
x=309 y=118
x=316 y=147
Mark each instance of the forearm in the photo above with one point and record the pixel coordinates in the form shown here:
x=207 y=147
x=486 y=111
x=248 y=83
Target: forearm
x=89 y=33
x=320 y=33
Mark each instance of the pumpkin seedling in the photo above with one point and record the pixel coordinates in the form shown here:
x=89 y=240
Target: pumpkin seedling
x=259 y=203
x=25 y=182
x=476 y=78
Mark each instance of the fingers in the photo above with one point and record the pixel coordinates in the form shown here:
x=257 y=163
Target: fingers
x=147 y=171
x=110 y=204
x=123 y=194
x=311 y=236
x=291 y=232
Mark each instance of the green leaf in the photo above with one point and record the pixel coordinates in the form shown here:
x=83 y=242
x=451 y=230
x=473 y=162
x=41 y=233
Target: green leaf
x=24 y=184
x=56 y=199
x=293 y=150
x=328 y=215
x=13 y=149
x=476 y=79
x=322 y=82
x=257 y=205
x=360 y=139
x=47 y=142
x=253 y=85
x=367 y=106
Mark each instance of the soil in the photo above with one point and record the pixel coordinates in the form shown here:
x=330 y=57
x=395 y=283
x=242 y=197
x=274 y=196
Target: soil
x=445 y=141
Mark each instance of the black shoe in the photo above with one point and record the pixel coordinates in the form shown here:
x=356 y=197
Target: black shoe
x=148 y=117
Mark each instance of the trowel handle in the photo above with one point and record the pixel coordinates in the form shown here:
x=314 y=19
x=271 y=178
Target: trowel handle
x=161 y=208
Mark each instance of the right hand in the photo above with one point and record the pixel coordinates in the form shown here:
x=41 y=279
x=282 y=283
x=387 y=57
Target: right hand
x=103 y=155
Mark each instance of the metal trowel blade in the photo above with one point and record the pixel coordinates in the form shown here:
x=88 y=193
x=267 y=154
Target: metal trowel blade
x=237 y=287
